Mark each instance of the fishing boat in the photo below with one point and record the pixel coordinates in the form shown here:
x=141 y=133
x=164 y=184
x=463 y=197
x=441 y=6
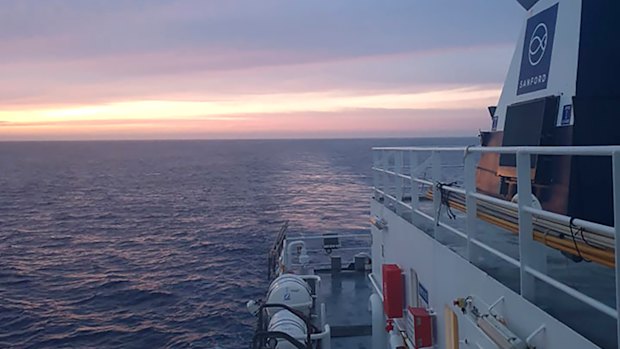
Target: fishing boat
x=510 y=243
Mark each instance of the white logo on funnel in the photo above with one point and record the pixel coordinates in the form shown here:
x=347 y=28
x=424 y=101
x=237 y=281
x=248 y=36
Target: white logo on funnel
x=538 y=44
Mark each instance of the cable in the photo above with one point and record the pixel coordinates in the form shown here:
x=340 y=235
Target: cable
x=570 y=227
x=445 y=200
x=581 y=230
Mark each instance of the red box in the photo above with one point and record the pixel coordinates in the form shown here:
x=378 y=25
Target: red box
x=393 y=289
x=419 y=327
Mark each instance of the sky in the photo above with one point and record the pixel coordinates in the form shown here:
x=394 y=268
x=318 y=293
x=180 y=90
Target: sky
x=221 y=69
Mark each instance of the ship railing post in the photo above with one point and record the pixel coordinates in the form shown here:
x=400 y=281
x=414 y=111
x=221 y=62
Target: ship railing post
x=531 y=254
x=384 y=176
x=436 y=169
x=524 y=191
x=398 y=181
x=616 y=207
x=470 y=202
x=415 y=188
x=375 y=173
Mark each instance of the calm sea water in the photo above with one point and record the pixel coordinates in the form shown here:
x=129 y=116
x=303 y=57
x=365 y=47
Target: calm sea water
x=160 y=244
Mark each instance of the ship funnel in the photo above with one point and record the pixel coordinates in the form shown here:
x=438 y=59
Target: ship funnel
x=561 y=90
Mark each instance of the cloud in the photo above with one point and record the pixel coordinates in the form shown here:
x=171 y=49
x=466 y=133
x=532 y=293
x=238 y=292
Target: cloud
x=63 y=58
x=190 y=77
x=459 y=98
x=350 y=123
x=443 y=112
x=353 y=27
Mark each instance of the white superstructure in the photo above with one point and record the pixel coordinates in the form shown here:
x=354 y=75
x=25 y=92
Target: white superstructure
x=442 y=259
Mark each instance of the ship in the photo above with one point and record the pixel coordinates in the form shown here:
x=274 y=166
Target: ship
x=510 y=243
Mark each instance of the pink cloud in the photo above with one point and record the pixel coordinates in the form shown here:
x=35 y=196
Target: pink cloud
x=351 y=123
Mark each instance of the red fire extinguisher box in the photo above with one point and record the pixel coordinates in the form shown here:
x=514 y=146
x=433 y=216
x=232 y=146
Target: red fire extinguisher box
x=419 y=327
x=393 y=289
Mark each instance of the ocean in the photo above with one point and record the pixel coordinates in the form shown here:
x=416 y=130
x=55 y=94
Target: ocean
x=159 y=244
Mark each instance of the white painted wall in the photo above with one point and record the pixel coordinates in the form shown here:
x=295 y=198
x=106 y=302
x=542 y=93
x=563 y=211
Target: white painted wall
x=448 y=276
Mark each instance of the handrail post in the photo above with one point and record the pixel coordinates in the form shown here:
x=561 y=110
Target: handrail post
x=470 y=202
x=436 y=171
x=415 y=189
x=531 y=254
x=616 y=207
x=375 y=174
x=385 y=178
x=398 y=181
x=524 y=190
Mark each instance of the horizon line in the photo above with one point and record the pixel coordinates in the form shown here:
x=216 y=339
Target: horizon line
x=229 y=139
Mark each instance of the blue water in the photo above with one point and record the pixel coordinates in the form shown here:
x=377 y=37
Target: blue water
x=159 y=244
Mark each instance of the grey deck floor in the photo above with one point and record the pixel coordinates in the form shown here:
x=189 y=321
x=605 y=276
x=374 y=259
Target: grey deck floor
x=345 y=295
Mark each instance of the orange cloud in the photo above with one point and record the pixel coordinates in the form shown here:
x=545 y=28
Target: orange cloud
x=461 y=98
x=252 y=116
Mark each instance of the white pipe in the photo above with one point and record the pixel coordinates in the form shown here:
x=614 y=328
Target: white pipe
x=378 y=322
x=497 y=253
x=325 y=337
x=420 y=149
x=363 y=254
x=603 y=308
x=594 y=227
x=476 y=242
x=327 y=341
x=378 y=290
x=550 y=150
x=316 y=278
x=423 y=181
x=396 y=340
x=393 y=199
x=536 y=332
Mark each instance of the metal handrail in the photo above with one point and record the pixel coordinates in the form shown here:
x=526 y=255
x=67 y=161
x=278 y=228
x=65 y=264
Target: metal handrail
x=328 y=235
x=527 y=262
x=364 y=237
x=602 y=150
x=276 y=250
x=560 y=218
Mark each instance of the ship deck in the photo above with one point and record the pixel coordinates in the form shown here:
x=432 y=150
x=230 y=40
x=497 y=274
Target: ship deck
x=345 y=295
x=344 y=288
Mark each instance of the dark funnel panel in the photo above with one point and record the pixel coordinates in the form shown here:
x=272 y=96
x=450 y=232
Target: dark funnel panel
x=527 y=4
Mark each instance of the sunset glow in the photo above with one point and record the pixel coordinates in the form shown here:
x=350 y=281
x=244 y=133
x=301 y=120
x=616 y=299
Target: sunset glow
x=250 y=105
x=168 y=75
x=242 y=112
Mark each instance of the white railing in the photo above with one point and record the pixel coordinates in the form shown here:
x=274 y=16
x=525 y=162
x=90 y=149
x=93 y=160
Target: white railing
x=314 y=246
x=531 y=263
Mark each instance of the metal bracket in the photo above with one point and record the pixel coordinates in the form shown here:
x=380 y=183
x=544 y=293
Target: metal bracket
x=494 y=304
x=536 y=332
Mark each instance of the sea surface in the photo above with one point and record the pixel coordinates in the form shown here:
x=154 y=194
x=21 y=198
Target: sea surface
x=159 y=244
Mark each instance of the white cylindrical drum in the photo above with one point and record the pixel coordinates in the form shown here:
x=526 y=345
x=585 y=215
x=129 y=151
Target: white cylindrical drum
x=290 y=290
x=289 y=323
